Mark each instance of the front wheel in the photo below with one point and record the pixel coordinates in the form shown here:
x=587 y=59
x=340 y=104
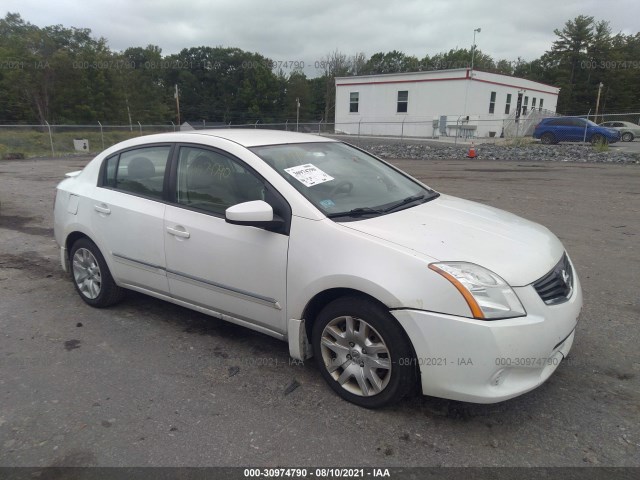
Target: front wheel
x=91 y=276
x=598 y=139
x=363 y=353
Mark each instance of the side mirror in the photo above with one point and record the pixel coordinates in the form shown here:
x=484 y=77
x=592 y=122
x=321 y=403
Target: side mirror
x=256 y=213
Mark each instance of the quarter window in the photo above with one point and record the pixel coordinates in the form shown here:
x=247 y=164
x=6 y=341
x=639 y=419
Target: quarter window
x=354 y=98
x=507 y=106
x=140 y=171
x=403 y=101
x=213 y=182
x=492 y=102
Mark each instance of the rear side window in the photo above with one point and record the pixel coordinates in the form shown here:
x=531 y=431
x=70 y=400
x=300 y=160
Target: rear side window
x=139 y=171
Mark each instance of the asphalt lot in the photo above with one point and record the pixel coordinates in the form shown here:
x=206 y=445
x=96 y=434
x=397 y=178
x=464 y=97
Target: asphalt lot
x=147 y=383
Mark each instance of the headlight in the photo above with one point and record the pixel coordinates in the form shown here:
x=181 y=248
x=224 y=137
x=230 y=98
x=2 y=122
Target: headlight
x=488 y=295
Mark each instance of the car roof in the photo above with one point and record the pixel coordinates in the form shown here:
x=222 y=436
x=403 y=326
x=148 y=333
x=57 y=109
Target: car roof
x=562 y=118
x=250 y=137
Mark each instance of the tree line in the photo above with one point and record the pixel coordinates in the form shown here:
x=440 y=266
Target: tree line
x=64 y=75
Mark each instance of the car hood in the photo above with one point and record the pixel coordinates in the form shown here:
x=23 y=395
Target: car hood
x=452 y=229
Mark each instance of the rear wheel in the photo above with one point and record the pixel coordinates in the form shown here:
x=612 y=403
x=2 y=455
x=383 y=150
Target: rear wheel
x=548 y=138
x=363 y=353
x=91 y=276
x=627 y=137
x=598 y=139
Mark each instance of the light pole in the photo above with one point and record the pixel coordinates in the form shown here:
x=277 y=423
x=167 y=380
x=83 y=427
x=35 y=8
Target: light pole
x=473 y=48
x=466 y=91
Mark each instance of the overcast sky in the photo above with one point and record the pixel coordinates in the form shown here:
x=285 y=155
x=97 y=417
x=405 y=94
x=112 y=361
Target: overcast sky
x=305 y=31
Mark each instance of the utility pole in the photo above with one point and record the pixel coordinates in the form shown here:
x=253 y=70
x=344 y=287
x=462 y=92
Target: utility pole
x=177 y=97
x=126 y=99
x=598 y=101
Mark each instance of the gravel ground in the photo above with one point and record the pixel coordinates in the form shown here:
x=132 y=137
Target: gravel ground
x=488 y=151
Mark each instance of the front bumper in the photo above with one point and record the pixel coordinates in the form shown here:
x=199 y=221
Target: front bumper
x=490 y=361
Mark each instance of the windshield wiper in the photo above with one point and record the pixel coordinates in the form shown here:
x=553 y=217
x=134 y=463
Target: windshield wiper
x=404 y=201
x=357 y=212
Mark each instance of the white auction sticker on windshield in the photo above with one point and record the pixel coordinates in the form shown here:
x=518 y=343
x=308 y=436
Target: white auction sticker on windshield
x=309 y=175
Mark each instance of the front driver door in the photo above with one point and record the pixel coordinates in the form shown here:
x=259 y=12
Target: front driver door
x=231 y=269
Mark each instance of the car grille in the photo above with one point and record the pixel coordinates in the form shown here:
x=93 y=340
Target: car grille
x=557 y=285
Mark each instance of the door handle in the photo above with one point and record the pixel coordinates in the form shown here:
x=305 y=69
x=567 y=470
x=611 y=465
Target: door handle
x=102 y=209
x=178 y=231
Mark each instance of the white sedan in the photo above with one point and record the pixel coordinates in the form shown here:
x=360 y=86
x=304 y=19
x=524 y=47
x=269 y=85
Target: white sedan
x=628 y=130
x=387 y=283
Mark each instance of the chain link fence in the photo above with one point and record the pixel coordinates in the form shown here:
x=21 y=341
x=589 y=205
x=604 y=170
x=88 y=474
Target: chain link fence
x=19 y=141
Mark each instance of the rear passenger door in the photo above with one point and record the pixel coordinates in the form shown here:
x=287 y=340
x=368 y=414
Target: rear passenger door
x=127 y=214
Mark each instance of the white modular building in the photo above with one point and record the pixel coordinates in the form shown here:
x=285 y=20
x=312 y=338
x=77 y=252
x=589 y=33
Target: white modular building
x=463 y=102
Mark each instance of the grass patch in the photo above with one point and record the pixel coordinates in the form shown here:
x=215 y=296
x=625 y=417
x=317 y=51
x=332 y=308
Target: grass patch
x=519 y=142
x=601 y=147
x=34 y=142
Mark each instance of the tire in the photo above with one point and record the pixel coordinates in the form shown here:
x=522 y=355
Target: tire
x=91 y=276
x=597 y=138
x=627 y=137
x=352 y=334
x=548 y=138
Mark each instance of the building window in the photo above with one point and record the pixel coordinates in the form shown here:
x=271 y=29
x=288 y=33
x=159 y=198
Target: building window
x=541 y=102
x=354 y=97
x=492 y=103
x=533 y=103
x=507 y=106
x=525 y=105
x=403 y=101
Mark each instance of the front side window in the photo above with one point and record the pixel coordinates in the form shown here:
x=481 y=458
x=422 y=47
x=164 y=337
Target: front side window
x=139 y=171
x=354 y=98
x=210 y=181
x=492 y=102
x=342 y=181
x=403 y=101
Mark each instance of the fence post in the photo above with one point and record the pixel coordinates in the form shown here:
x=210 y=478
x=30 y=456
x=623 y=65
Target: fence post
x=173 y=125
x=359 y=122
x=584 y=137
x=402 y=130
x=140 y=128
x=53 y=153
x=256 y=124
x=101 y=134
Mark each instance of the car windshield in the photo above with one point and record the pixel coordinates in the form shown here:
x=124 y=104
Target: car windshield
x=342 y=181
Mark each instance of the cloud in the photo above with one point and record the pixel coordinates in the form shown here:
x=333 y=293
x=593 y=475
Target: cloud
x=307 y=31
